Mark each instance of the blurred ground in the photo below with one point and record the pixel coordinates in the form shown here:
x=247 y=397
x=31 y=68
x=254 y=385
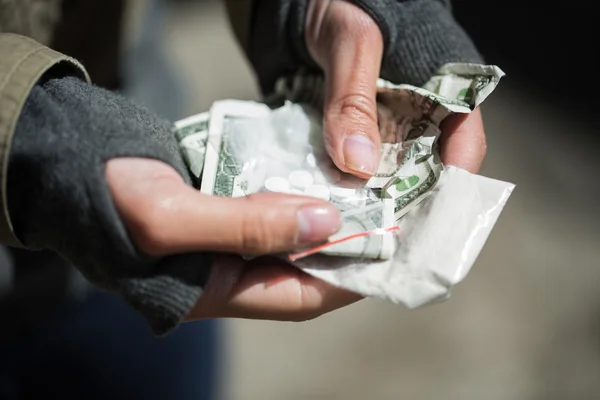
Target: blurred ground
x=524 y=325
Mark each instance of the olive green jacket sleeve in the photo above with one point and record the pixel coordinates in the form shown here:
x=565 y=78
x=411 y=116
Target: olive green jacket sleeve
x=23 y=61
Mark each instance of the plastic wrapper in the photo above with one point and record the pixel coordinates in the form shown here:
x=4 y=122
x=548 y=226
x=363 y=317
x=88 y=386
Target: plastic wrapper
x=436 y=244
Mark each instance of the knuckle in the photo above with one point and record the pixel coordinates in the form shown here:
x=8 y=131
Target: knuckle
x=359 y=105
x=148 y=233
x=257 y=233
x=308 y=307
x=484 y=147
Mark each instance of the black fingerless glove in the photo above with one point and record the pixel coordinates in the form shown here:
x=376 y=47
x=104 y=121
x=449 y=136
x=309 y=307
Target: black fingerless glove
x=59 y=199
x=420 y=36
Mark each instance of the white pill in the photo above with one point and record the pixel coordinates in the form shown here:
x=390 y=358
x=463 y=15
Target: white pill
x=311 y=160
x=301 y=179
x=297 y=192
x=277 y=184
x=318 y=191
x=341 y=193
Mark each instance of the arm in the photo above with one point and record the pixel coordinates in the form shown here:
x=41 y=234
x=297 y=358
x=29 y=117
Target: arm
x=100 y=181
x=59 y=199
x=418 y=36
x=58 y=131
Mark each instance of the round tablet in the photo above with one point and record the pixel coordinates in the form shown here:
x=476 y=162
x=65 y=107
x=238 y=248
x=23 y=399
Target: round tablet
x=318 y=191
x=277 y=184
x=301 y=179
x=341 y=193
x=311 y=160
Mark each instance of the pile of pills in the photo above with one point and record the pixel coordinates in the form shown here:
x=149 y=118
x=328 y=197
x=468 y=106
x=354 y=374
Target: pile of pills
x=306 y=176
x=300 y=182
x=313 y=181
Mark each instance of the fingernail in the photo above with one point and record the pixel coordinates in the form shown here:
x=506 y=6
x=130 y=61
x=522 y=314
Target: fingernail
x=317 y=223
x=359 y=153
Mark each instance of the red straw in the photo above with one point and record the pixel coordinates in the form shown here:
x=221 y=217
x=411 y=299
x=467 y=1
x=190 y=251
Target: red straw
x=297 y=256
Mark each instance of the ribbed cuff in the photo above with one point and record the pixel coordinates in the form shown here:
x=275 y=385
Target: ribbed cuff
x=419 y=38
x=163 y=301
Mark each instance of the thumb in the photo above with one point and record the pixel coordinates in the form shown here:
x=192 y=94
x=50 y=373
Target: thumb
x=165 y=216
x=347 y=44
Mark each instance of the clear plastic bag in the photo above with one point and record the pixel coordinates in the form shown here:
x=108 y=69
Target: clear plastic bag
x=285 y=153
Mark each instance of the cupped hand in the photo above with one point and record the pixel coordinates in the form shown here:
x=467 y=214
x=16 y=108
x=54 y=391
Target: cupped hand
x=165 y=216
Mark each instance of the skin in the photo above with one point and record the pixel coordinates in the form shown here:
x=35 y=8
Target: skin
x=165 y=216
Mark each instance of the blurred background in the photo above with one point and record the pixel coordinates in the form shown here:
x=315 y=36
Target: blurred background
x=525 y=324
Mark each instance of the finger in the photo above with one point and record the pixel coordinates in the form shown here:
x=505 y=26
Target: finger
x=350 y=52
x=165 y=216
x=267 y=289
x=463 y=142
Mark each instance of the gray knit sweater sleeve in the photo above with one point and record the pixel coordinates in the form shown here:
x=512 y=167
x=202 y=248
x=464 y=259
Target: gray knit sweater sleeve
x=59 y=199
x=419 y=36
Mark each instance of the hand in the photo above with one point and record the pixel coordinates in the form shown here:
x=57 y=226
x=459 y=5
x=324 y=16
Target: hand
x=267 y=289
x=348 y=46
x=165 y=216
